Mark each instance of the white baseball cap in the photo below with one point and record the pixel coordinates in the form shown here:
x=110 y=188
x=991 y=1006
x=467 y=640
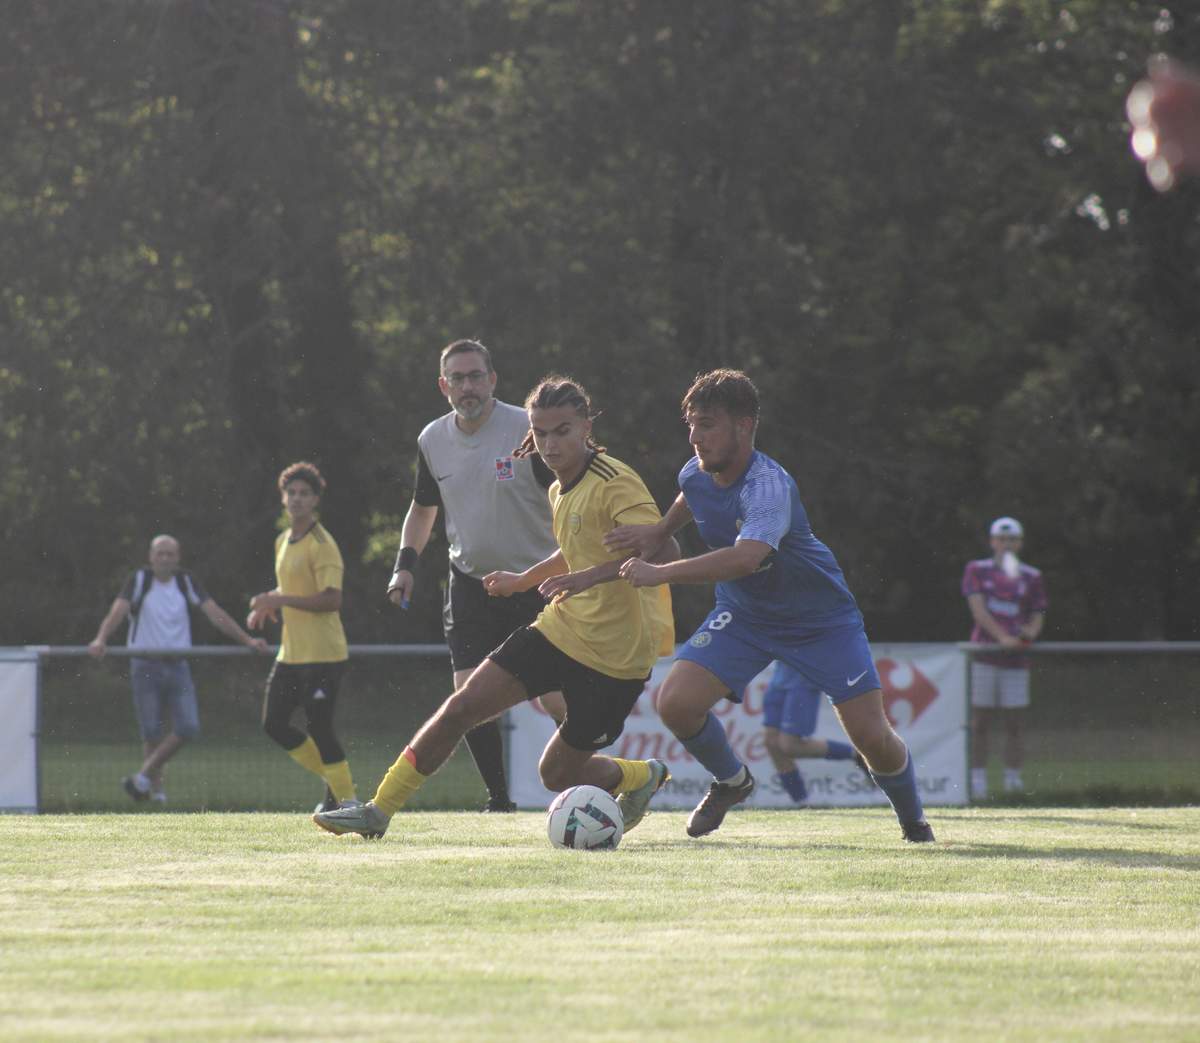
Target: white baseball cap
x=1007 y=527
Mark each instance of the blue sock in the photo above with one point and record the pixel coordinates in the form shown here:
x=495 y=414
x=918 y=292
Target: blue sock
x=793 y=783
x=839 y=751
x=901 y=790
x=710 y=746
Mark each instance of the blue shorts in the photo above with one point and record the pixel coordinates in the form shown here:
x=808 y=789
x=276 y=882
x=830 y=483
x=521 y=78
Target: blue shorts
x=790 y=703
x=835 y=660
x=162 y=689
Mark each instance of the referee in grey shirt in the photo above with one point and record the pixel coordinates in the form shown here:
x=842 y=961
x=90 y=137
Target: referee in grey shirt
x=497 y=514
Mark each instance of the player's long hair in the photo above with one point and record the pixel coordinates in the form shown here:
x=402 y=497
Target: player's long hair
x=556 y=390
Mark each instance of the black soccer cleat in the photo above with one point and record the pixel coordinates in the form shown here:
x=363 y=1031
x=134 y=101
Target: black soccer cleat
x=710 y=812
x=498 y=805
x=917 y=832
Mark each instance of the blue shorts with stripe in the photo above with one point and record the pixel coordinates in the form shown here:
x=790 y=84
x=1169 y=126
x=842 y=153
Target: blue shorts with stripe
x=835 y=660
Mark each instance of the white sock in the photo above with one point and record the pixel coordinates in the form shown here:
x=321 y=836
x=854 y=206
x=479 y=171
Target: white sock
x=1012 y=779
x=735 y=780
x=141 y=782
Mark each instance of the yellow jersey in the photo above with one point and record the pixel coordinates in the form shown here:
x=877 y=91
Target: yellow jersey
x=308 y=566
x=614 y=628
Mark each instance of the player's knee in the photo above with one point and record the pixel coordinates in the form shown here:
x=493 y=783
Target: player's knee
x=790 y=746
x=555 y=777
x=677 y=714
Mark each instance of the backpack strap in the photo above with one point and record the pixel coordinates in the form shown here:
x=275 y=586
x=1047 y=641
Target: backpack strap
x=141 y=587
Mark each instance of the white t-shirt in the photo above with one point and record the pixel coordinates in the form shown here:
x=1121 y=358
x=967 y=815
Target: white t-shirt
x=162 y=621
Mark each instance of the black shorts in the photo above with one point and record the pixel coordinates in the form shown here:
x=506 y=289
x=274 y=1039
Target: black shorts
x=597 y=704
x=294 y=684
x=474 y=622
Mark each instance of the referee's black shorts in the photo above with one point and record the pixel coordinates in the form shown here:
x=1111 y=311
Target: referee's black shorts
x=474 y=622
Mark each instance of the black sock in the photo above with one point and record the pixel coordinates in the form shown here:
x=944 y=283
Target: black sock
x=487 y=748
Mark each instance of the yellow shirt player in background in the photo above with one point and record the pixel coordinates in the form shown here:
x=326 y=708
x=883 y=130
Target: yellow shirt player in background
x=312 y=651
x=595 y=642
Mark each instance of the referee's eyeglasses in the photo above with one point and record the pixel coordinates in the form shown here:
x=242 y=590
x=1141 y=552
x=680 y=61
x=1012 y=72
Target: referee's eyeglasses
x=476 y=376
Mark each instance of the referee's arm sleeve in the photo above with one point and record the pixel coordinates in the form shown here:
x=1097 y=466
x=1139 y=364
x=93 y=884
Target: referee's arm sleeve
x=427 y=493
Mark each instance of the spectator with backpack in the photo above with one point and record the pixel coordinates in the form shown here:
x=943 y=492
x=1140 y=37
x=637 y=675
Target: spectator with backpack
x=157 y=600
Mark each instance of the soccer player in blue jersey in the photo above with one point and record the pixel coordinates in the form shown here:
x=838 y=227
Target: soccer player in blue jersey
x=791 y=704
x=780 y=594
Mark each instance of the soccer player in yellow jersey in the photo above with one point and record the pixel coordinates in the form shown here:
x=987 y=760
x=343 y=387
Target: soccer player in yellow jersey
x=595 y=641
x=312 y=652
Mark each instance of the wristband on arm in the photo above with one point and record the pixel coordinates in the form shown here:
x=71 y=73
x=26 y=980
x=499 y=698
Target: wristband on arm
x=406 y=560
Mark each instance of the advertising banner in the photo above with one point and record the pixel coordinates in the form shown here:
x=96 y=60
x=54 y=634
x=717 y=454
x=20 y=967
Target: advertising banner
x=18 y=737
x=924 y=694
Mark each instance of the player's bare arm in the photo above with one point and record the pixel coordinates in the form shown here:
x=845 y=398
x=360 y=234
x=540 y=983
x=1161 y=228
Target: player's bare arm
x=645 y=541
x=418 y=525
x=576 y=582
x=266 y=606
x=727 y=563
x=505 y=584
x=116 y=615
x=228 y=626
x=989 y=623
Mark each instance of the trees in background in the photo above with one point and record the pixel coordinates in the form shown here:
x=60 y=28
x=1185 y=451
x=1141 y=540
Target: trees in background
x=238 y=234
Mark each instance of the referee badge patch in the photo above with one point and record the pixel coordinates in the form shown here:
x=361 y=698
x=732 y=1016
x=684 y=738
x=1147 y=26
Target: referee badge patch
x=504 y=469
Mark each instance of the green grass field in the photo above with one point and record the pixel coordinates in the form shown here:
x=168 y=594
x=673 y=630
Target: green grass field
x=252 y=774
x=1019 y=924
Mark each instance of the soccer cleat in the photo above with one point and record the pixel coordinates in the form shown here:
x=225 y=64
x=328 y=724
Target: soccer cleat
x=635 y=803
x=710 y=812
x=917 y=832
x=159 y=796
x=500 y=805
x=131 y=787
x=329 y=803
x=862 y=766
x=353 y=817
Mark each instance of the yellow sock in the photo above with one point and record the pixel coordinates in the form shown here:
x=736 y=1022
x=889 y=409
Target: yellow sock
x=338 y=777
x=634 y=774
x=308 y=757
x=401 y=782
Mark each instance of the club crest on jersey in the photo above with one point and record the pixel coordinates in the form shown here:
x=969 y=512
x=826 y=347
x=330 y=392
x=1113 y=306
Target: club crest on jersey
x=575 y=522
x=504 y=469
x=700 y=640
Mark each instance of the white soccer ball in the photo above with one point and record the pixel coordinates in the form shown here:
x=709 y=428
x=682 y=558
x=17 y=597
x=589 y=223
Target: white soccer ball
x=586 y=818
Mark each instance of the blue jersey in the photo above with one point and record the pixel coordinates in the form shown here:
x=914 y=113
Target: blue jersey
x=800 y=586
